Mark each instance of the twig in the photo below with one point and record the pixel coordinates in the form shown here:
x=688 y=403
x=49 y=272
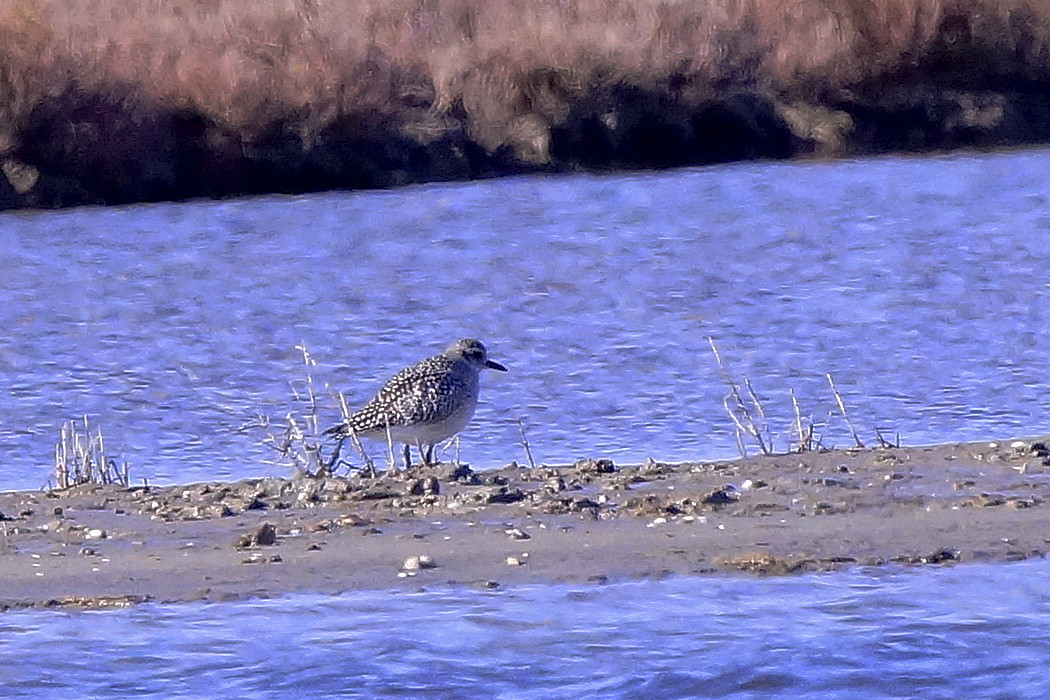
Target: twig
x=390 y=445
x=309 y=361
x=740 y=430
x=842 y=409
x=525 y=442
x=805 y=436
x=80 y=458
x=748 y=425
x=883 y=442
x=369 y=465
x=740 y=442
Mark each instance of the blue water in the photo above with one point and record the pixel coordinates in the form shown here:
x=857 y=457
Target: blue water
x=920 y=284
x=979 y=631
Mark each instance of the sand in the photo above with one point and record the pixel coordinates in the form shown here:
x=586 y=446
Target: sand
x=589 y=523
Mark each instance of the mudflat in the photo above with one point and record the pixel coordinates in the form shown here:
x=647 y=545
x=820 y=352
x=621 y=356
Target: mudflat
x=589 y=522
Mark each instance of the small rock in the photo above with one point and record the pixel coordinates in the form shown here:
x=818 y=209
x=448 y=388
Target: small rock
x=462 y=473
x=517 y=533
x=514 y=561
x=505 y=495
x=427 y=486
x=722 y=496
x=595 y=466
x=941 y=555
x=95 y=534
x=554 y=484
x=264 y=535
x=418 y=563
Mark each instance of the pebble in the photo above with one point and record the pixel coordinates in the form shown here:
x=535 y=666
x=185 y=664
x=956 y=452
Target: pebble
x=416 y=564
x=264 y=535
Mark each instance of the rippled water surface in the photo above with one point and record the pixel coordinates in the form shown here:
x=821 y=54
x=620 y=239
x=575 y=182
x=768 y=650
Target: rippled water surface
x=978 y=631
x=920 y=284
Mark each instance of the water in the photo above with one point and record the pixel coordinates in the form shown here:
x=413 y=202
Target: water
x=918 y=283
x=980 y=631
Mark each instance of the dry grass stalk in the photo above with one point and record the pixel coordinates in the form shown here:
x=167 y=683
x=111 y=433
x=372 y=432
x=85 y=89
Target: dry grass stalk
x=295 y=446
x=301 y=444
x=842 y=409
x=310 y=363
x=80 y=458
x=344 y=411
x=804 y=432
x=525 y=442
x=391 y=462
x=740 y=413
x=883 y=443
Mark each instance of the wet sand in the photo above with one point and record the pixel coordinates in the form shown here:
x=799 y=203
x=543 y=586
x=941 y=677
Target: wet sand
x=591 y=522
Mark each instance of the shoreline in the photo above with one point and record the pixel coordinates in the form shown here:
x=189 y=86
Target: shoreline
x=184 y=100
x=593 y=522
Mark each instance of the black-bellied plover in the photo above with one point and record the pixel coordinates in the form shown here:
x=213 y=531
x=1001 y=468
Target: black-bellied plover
x=426 y=403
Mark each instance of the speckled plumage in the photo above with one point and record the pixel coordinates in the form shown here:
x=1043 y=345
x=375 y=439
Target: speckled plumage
x=426 y=403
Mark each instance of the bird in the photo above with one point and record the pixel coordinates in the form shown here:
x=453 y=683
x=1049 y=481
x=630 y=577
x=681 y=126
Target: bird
x=425 y=403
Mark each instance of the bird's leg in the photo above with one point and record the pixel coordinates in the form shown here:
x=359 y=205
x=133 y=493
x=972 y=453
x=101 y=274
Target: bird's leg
x=408 y=457
x=428 y=456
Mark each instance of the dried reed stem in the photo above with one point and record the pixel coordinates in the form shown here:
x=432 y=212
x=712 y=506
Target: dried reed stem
x=748 y=425
x=310 y=362
x=390 y=446
x=81 y=458
x=885 y=443
x=525 y=442
x=805 y=434
x=842 y=409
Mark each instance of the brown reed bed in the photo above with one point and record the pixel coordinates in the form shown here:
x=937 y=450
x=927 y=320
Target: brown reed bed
x=110 y=101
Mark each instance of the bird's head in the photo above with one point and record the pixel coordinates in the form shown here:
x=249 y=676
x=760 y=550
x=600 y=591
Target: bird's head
x=474 y=352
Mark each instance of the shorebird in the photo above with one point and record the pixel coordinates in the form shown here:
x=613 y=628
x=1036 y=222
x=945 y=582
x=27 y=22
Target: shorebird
x=424 y=404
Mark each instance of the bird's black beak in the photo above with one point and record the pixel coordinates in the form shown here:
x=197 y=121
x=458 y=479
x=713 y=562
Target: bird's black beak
x=492 y=364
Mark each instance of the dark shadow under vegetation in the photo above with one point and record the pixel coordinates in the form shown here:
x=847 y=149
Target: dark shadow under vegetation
x=104 y=101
